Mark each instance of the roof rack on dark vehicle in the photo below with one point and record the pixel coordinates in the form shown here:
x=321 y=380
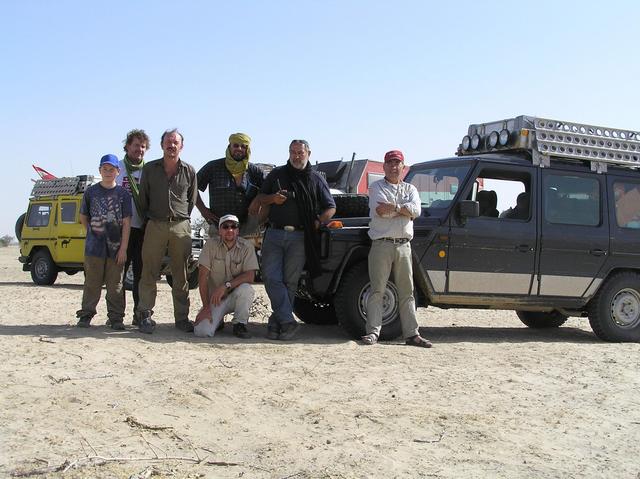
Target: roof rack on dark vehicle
x=548 y=139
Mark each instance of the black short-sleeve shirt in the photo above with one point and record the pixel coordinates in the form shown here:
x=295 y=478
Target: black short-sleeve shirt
x=225 y=197
x=287 y=212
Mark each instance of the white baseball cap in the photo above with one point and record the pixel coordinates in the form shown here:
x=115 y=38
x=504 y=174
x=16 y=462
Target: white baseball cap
x=226 y=218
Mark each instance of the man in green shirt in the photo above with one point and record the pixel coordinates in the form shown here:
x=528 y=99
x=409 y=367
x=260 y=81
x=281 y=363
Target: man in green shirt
x=168 y=193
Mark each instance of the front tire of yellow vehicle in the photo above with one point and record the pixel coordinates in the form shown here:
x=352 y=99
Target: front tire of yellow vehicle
x=43 y=269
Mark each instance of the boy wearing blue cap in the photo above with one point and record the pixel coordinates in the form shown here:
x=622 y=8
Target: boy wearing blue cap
x=106 y=214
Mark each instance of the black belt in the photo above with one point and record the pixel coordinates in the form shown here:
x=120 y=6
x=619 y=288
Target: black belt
x=395 y=240
x=286 y=227
x=175 y=219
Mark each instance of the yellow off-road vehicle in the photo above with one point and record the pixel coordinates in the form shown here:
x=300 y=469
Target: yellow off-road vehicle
x=50 y=234
x=52 y=238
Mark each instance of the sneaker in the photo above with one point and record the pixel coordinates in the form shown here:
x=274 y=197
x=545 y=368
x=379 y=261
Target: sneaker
x=147 y=325
x=272 y=334
x=240 y=331
x=117 y=325
x=84 y=322
x=185 y=325
x=288 y=331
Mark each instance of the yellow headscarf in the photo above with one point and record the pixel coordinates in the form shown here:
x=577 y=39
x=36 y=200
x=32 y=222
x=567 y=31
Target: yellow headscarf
x=237 y=168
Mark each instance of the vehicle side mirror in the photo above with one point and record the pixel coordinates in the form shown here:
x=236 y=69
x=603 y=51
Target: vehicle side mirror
x=468 y=209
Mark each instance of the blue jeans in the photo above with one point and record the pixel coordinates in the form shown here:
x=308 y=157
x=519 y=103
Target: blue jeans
x=283 y=259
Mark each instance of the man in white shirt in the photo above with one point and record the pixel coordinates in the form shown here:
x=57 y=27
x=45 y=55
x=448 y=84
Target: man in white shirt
x=393 y=204
x=136 y=145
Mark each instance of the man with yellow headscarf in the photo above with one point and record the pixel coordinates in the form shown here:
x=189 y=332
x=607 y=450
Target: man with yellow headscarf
x=233 y=183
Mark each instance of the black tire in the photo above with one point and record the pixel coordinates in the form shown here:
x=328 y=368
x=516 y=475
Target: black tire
x=314 y=313
x=351 y=206
x=192 y=279
x=19 y=225
x=43 y=269
x=540 y=320
x=127 y=280
x=614 y=312
x=351 y=299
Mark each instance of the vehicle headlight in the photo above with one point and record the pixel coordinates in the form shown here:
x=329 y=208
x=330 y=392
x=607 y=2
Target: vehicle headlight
x=503 y=139
x=475 y=141
x=466 y=142
x=492 y=141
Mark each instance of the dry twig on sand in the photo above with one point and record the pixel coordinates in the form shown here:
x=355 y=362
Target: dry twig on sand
x=133 y=422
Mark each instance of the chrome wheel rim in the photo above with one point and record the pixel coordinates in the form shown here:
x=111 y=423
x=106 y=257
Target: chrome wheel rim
x=625 y=308
x=389 y=302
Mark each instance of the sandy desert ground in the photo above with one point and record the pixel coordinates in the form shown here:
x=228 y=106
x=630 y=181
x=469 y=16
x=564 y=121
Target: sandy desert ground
x=491 y=399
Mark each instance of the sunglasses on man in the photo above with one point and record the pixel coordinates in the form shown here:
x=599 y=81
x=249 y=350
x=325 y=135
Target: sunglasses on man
x=229 y=226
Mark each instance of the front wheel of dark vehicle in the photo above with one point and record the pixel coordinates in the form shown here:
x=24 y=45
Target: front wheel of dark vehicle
x=43 y=269
x=192 y=279
x=312 y=312
x=614 y=313
x=351 y=304
x=540 y=320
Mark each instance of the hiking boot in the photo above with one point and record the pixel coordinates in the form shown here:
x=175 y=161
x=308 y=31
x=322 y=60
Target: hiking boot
x=185 y=325
x=288 y=331
x=240 y=331
x=117 y=325
x=84 y=322
x=137 y=320
x=147 y=325
x=273 y=334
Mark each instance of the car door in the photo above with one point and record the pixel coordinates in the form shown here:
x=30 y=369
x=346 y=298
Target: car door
x=491 y=254
x=69 y=244
x=574 y=233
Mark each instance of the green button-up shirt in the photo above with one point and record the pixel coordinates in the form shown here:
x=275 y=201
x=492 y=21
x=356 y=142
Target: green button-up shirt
x=163 y=198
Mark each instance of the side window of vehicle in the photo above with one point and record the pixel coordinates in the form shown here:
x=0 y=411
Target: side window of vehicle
x=39 y=215
x=627 y=204
x=571 y=200
x=504 y=195
x=437 y=186
x=68 y=211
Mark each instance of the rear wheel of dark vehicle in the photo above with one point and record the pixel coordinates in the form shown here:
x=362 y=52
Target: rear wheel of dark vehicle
x=314 y=313
x=19 y=225
x=614 y=312
x=351 y=304
x=127 y=281
x=539 y=320
x=351 y=205
x=43 y=269
x=192 y=279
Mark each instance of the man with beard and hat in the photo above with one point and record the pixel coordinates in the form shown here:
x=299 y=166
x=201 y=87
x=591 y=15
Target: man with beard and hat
x=299 y=201
x=233 y=183
x=135 y=146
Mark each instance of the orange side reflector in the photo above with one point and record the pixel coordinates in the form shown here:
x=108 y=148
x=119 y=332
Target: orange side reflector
x=334 y=225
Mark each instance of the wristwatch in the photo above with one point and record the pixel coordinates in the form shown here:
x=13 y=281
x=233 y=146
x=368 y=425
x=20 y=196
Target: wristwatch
x=227 y=285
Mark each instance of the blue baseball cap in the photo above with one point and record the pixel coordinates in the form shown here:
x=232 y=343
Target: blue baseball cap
x=109 y=160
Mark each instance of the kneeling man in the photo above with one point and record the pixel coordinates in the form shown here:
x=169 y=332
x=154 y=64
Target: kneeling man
x=228 y=265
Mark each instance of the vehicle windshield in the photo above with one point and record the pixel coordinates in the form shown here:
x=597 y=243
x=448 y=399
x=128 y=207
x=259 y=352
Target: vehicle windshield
x=437 y=185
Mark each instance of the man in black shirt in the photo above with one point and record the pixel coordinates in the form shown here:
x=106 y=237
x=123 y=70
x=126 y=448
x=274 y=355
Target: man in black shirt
x=233 y=183
x=299 y=201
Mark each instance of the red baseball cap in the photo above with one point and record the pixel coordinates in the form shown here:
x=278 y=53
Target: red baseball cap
x=393 y=155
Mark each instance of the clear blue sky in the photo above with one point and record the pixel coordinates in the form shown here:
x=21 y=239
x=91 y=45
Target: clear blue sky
x=363 y=76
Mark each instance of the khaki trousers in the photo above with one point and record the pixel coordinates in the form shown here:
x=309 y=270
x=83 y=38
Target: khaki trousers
x=99 y=271
x=385 y=257
x=161 y=238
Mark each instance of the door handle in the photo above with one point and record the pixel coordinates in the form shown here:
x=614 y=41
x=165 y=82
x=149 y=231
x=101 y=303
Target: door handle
x=524 y=248
x=598 y=252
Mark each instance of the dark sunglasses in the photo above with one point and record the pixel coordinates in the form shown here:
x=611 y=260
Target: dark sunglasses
x=238 y=145
x=229 y=226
